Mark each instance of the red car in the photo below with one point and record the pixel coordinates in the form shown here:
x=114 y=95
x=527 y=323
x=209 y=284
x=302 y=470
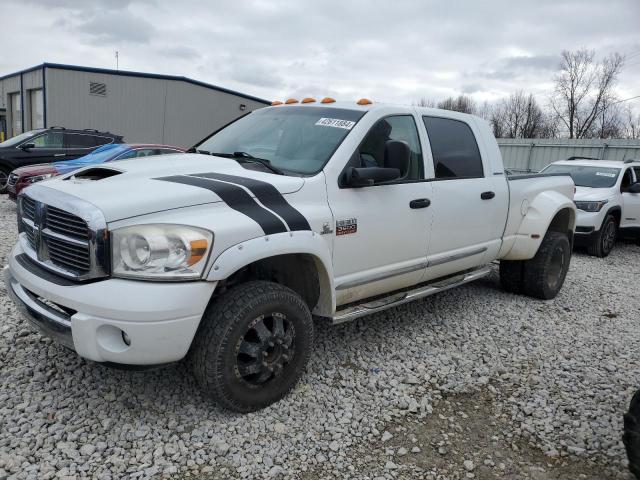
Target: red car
x=24 y=176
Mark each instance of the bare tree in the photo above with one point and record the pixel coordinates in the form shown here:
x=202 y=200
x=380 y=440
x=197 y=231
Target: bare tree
x=462 y=104
x=631 y=122
x=610 y=122
x=583 y=88
x=519 y=116
x=425 y=102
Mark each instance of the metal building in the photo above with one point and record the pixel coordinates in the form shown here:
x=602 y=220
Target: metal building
x=143 y=107
x=536 y=153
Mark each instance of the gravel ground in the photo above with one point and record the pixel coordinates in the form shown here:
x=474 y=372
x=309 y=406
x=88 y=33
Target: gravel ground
x=472 y=383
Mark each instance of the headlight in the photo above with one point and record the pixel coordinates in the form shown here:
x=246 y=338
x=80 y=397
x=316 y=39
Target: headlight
x=160 y=252
x=591 y=206
x=39 y=178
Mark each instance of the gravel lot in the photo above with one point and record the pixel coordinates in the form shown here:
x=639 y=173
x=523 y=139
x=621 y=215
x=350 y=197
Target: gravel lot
x=472 y=383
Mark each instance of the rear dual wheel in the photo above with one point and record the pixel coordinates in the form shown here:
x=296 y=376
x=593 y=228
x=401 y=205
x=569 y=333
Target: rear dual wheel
x=252 y=345
x=542 y=276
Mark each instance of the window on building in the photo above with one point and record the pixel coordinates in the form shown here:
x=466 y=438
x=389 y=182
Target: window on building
x=49 y=140
x=36 y=102
x=399 y=127
x=454 y=148
x=15 y=104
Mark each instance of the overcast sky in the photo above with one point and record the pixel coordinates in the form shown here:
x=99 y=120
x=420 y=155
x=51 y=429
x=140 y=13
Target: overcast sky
x=389 y=50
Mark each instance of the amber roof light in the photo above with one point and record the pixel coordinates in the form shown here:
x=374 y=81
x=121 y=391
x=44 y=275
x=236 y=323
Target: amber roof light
x=364 y=101
x=276 y=102
x=290 y=101
x=308 y=100
x=327 y=100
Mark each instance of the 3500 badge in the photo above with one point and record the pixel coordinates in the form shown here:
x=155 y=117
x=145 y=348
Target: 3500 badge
x=346 y=226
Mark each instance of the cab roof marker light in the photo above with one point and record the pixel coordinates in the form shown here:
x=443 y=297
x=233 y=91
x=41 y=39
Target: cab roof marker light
x=328 y=100
x=290 y=101
x=364 y=101
x=276 y=102
x=308 y=100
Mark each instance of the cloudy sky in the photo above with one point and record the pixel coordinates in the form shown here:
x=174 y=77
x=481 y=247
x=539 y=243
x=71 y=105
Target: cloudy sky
x=388 y=50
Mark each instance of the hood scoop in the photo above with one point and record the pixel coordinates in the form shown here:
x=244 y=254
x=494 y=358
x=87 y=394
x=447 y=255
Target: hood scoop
x=94 y=174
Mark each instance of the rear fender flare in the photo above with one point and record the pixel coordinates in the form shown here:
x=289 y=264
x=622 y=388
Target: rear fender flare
x=536 y=221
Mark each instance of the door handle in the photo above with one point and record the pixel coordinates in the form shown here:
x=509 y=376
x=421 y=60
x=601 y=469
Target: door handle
x=420 y=203
x=487 y=195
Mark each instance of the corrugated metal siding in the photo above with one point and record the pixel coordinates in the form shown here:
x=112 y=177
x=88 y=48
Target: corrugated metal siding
x=142 y=109
x=8 y=85
x=535 y=154
x=193 y=112
x=32 y=80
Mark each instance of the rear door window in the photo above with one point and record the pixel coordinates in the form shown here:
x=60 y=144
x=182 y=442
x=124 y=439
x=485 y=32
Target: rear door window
x=78 y=140
x=102 y=140
x=454 y=149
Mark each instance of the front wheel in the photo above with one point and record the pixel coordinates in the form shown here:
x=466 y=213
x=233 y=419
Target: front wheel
x=544 y=274
x=605 y=239
x=252 y=346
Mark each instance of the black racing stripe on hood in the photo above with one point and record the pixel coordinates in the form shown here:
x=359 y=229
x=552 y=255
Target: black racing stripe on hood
x=236 y=198
x=268 y=195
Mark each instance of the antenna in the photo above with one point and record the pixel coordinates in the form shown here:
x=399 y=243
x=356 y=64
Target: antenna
x=117 y=62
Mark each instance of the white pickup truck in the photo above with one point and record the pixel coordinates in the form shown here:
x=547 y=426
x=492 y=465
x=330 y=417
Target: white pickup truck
x=300 y=210
x=608 y=200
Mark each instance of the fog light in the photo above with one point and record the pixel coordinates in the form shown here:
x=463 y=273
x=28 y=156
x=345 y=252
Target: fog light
x=126 y=339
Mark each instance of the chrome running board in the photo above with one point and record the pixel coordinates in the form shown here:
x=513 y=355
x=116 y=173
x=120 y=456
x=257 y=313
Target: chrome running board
x=356 y=311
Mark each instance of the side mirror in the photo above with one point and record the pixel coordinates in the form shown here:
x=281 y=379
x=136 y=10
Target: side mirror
x=367 y=176
x=635 y=188
x=27 y=146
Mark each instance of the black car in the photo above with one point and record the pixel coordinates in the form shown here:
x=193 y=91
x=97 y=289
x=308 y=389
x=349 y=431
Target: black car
x=49 y=145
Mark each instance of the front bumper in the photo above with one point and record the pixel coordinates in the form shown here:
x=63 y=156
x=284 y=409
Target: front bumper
x=159 y=319
x=584 y=235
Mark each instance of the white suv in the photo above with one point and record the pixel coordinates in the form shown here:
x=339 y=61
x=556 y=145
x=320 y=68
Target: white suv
x=608 y=200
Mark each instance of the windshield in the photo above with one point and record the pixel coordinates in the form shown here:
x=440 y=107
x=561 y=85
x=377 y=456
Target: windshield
x=294 y=139
x=583 y=176
x=18 y=139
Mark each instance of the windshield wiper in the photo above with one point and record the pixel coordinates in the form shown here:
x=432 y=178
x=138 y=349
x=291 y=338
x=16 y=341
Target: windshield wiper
x=239 y=156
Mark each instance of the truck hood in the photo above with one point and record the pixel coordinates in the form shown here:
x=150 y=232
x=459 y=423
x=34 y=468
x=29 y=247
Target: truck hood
x=135 y=186
x=593 y=194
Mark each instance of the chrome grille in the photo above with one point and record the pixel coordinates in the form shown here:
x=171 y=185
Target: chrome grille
x=13 y=179
x=66 y=223
x=64 y=234
x=28 y=208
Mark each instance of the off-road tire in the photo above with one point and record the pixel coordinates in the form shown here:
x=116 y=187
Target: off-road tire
x=631 y=436
x=542 y=276
x=214 y=354
x=603 y=243
x=511 y=275
x=4 y=177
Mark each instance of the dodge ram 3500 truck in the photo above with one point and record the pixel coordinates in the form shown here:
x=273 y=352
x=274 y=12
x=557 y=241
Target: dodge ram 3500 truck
x=295 y=211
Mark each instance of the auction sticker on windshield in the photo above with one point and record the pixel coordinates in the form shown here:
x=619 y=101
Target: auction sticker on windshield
x=605 y=174
x=336 y=123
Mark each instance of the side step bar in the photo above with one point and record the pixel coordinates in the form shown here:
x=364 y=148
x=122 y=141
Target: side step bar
x=357 y=311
